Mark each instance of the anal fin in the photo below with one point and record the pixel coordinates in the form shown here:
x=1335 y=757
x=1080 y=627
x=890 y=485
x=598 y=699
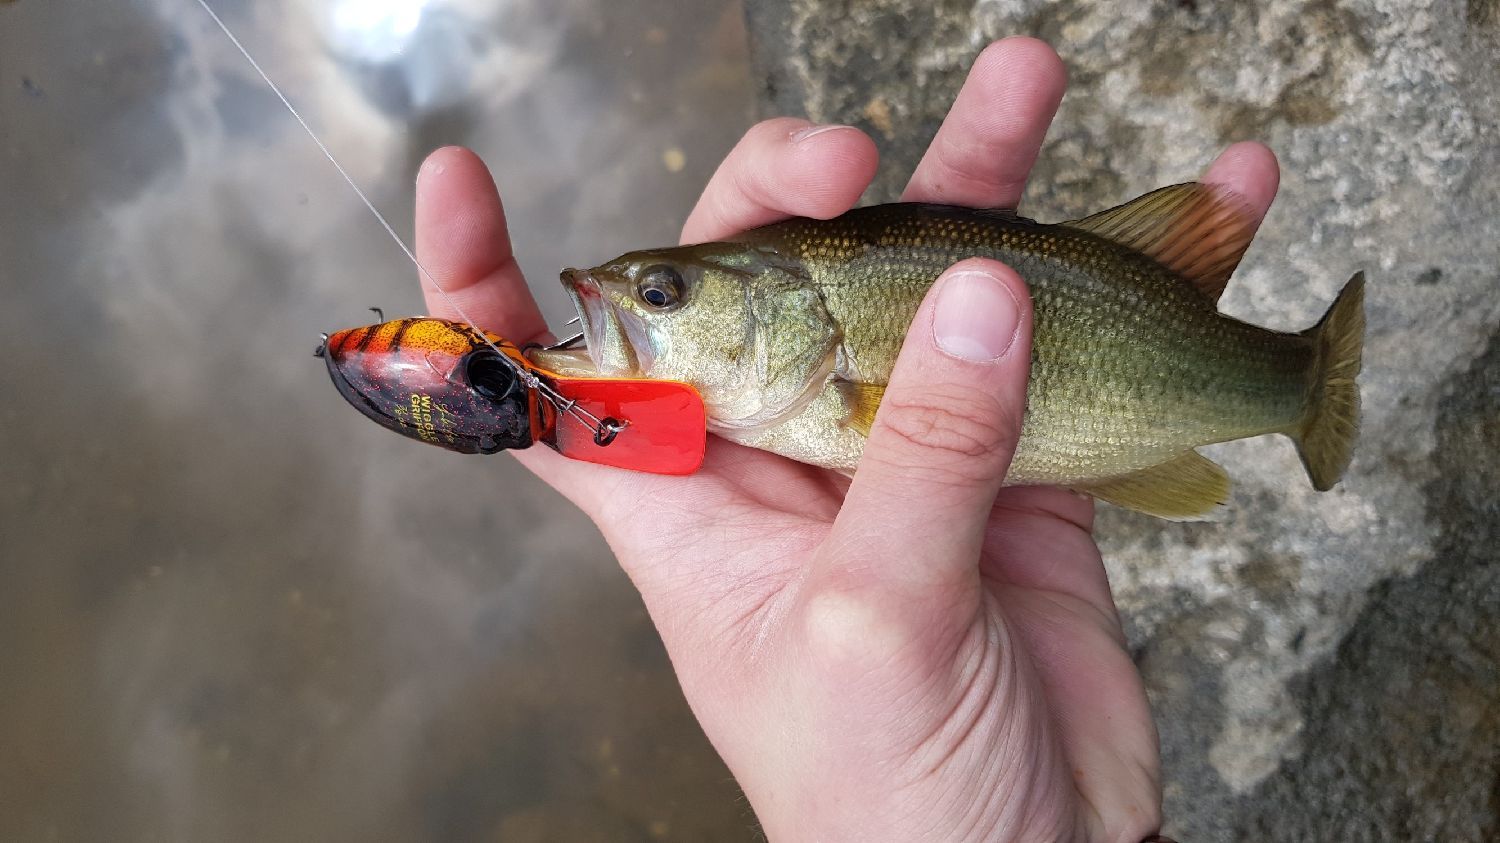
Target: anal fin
x=1187 y=488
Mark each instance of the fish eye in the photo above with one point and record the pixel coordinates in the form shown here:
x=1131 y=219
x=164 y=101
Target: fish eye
x=659 y=287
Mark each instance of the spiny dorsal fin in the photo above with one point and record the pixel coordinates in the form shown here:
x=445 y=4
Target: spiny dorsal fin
x=1198 y=231
x=1187 y=488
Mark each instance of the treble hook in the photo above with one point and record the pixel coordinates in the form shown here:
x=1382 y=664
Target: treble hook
x=567 y=343
x=378 y=312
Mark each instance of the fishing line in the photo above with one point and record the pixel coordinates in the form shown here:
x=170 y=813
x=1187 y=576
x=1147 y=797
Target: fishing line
x=603 y=429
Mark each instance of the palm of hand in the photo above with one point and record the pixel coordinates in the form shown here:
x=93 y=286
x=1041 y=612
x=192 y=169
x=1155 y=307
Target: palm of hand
x=1042 y=612
x=1002 y=706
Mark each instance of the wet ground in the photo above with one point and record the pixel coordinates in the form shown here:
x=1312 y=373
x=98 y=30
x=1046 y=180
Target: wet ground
x=230 y=607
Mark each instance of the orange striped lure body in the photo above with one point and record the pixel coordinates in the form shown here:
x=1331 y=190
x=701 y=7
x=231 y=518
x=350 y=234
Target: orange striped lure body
x=446 y=384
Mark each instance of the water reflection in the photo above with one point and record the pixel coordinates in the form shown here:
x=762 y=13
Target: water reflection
x=374 y=30
x=412 y=58
x=232 y=608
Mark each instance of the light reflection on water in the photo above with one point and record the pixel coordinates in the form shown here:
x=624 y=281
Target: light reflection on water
x=230 y=607
x=374 y=30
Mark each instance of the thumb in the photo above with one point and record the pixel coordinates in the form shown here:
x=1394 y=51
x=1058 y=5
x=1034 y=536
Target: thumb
x=942 y=441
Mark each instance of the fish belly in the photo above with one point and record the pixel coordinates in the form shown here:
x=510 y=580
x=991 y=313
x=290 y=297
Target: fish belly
x=818 y=434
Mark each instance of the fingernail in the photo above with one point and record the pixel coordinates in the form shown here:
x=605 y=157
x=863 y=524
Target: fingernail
x=976 y=317
x=431 y=167
x=813 y=131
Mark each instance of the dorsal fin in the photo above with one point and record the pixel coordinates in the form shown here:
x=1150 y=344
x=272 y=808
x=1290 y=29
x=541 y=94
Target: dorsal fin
x=1196 y=230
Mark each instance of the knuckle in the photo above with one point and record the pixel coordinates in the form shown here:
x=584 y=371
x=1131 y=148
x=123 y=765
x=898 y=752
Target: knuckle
x=971 y=158
x=948 y=428
x=858 y=634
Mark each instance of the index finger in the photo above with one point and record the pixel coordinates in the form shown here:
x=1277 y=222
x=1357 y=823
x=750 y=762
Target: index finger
x=463 y=243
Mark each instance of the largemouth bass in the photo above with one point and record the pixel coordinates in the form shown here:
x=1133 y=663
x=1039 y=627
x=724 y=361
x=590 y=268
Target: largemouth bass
x=790 y=332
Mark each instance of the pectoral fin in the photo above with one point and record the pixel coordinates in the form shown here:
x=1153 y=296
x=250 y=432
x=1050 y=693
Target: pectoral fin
x=863 y=400
x=1187 y=488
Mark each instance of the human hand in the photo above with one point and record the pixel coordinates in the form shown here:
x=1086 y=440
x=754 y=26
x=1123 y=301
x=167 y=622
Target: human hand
x=918 y=654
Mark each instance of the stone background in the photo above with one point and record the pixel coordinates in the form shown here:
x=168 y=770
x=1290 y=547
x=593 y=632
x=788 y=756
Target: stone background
x=1323 y=667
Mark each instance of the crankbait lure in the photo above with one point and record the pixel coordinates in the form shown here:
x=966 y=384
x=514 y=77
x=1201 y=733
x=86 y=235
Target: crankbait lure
x=451 y=385
x=447 y=384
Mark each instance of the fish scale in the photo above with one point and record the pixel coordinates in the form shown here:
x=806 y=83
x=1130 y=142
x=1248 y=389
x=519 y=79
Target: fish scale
x=1101 y=373
x=791 y=331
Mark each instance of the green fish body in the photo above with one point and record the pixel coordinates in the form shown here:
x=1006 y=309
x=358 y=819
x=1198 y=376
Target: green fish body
x=791 y=331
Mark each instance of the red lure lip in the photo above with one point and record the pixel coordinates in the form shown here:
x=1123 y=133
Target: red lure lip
x=442 y=383
x=666 y=425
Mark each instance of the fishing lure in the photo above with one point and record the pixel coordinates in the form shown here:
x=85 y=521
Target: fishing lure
x=454 y=386
x=450 y=385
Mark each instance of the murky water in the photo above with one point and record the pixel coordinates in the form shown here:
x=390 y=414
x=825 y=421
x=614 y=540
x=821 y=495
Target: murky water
x=230 y=607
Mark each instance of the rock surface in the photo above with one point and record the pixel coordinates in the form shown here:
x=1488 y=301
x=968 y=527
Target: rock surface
x=1323 y=667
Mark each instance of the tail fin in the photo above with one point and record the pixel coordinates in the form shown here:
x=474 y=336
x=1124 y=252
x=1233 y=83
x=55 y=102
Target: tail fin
x=1325 y=439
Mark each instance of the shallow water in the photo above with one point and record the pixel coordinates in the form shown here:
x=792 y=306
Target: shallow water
x=230 y=607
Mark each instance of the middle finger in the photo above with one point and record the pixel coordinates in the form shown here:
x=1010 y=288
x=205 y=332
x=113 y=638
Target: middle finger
x=984 y=150
x=783 y=168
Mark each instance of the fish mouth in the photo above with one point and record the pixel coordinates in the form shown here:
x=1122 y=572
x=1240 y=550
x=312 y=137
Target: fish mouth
x=588 y=301
x=613 y=340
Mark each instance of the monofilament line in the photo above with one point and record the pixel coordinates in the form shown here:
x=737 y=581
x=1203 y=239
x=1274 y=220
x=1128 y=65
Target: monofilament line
x=327 y=153
x=531 y=380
